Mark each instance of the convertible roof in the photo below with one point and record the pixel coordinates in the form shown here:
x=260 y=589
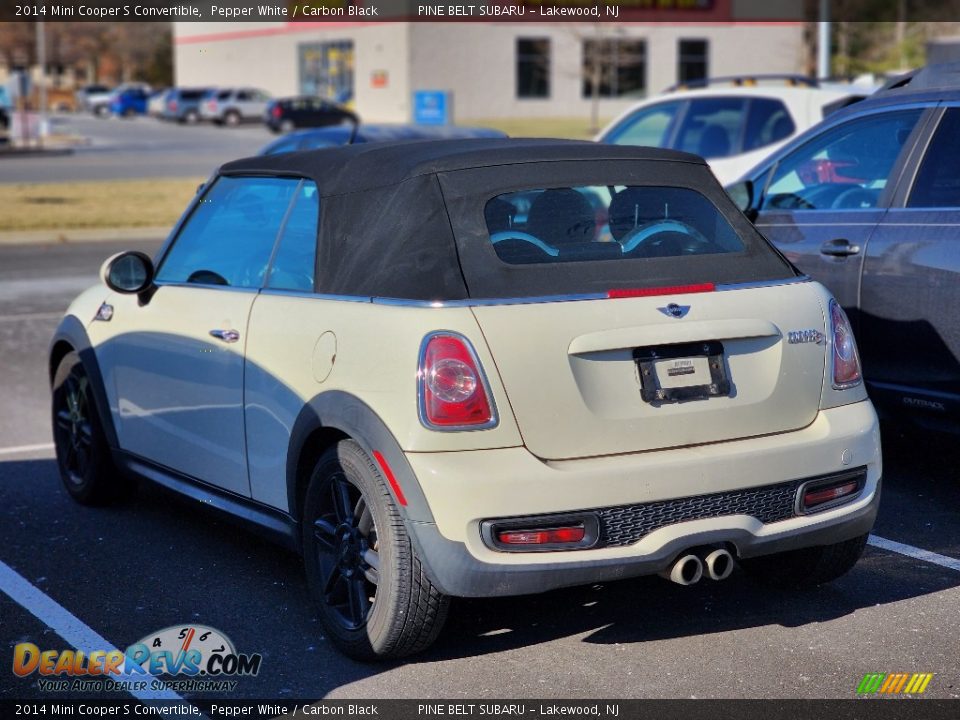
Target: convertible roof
x=362 y=167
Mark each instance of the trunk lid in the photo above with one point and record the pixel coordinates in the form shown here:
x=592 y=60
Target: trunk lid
x=572 y=370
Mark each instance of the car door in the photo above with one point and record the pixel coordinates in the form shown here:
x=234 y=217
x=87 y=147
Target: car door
x=824 y=198
x=173 y=363
x=910 y=331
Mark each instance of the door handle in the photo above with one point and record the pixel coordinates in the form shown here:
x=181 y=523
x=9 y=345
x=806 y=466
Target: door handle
x=228 y=336
x=839 y=248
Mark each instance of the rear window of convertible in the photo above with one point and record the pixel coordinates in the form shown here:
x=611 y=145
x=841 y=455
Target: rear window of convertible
x=615 y=222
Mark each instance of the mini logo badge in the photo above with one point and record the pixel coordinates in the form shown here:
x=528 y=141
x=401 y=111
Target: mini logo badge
x=675 y=311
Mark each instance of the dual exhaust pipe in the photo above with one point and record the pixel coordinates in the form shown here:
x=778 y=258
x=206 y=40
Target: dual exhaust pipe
x=688 y=569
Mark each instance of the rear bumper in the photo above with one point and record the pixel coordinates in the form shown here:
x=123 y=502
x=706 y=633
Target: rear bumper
x=464 y=489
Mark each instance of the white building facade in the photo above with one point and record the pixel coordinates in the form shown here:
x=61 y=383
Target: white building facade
x=492 y=70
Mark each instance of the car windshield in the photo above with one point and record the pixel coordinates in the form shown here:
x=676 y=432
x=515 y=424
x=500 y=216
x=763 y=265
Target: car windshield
x=570 y=224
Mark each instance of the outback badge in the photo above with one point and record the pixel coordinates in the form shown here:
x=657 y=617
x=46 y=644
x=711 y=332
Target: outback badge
x=675 y=311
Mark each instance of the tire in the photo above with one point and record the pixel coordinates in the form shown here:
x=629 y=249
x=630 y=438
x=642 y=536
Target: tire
x=101 y=111
x=806 y=568
x=287 y=126
x=375 y=601
x=191 y=117
x=231 y=118
x=83 y=456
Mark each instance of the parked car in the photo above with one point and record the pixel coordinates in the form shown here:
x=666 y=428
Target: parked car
x=338 y=135
x=100 y=105
x=157 y=102
x=129 y=102
x=183 y=104
x=88 y=95
x=453 y=403
x=868 y=203
x=288 y=114
x=232 y=106
x=732 y=126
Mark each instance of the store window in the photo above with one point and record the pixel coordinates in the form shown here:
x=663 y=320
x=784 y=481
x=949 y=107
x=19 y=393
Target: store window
x=533 y=67
x=326 y=70
x=614 y=68
x=693 y=61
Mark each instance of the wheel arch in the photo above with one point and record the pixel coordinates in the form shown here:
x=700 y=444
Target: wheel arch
x=71 y=336
x=336 y=415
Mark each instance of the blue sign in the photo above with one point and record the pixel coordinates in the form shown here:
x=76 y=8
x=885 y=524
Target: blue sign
x=432 y=107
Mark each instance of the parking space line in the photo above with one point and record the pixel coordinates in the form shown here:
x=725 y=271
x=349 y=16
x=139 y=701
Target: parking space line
x=915 y=552
x=25 y=448
x=65 y=624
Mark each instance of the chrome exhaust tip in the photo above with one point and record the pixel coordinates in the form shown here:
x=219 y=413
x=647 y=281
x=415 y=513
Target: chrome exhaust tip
x=719 y=564
x=686 y=570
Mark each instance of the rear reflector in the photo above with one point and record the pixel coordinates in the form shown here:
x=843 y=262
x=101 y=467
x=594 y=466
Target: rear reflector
x=819 y=496
x=550 y=536
x=669 y=290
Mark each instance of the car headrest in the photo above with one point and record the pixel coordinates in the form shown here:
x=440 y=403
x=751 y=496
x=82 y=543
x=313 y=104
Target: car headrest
x=560 y=216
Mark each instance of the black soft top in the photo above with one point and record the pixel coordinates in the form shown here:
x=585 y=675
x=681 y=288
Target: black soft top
x=406 y=219
x=354 y=168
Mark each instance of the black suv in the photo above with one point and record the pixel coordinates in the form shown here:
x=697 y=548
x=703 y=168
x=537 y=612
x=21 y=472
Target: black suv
x=868 y=202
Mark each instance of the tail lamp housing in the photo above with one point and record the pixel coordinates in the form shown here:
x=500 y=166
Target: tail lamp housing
x=542 y=533
x=452 y=389
x=844 y=358
x=828 y=492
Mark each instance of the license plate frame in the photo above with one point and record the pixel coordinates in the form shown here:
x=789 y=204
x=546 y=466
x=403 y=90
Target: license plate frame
x=651 y=390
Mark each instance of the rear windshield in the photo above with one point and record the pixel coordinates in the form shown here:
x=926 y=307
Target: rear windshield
x=192 y=94
x=606 y=222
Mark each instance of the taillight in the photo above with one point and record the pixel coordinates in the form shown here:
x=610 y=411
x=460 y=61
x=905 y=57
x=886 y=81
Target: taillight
x=550 y=536
x=276 y=111
x=452 y=388
x=668 y=290
x=172 y=105
x=846 y=360
x=212 y=106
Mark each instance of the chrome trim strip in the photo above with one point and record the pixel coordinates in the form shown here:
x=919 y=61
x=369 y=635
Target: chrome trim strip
x=204 y=286
x=421 y=398
x=763 y=283
x=315 y=296
x=487 y=302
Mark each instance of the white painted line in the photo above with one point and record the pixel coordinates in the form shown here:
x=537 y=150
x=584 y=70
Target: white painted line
x=22 y=317
x=25 y=448
x=66 y=625
x=914 y=552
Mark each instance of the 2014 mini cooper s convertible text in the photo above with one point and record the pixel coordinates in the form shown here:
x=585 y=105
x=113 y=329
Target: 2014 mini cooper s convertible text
x=476 y=368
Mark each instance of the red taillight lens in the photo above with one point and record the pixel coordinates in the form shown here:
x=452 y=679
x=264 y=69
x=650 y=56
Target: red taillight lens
x=452 y=389
x=542 y=537
x=846 y=360
x=172 y=105
x=816 y=497
x=212 y=105
x=276 y=111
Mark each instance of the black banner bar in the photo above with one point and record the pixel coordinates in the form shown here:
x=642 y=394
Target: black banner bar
x=613 y=11
x=859 y=709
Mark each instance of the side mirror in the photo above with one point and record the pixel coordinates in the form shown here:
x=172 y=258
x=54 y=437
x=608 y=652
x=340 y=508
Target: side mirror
x=128 y=272
x=741 y=193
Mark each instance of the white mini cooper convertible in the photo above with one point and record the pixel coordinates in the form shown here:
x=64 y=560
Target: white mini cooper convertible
x=476 y=368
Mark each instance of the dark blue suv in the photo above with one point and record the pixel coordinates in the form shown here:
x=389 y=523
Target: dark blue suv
x=868 y=203
x=129 y=102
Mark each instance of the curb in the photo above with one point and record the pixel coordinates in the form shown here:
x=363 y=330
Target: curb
x=59 y=236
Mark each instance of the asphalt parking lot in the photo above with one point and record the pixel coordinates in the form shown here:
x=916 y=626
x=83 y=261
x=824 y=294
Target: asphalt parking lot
x=141 y=147
x=126 y=571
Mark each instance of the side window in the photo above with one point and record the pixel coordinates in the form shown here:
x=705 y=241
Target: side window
x=712 y=127
x=938 y=180
x=768 y=121
x=230 y=235
x=244 y=96
x=292 y=267
x=845 y=168
x=649 y=126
